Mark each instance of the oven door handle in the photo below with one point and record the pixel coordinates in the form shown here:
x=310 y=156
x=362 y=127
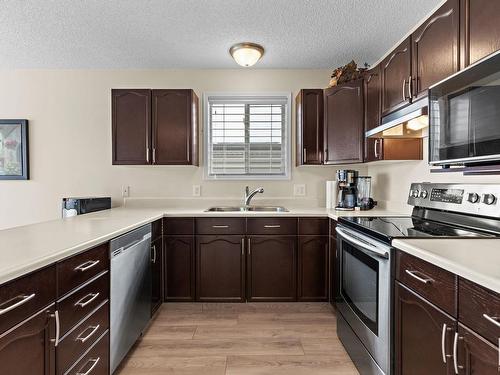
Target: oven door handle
x=349 y=236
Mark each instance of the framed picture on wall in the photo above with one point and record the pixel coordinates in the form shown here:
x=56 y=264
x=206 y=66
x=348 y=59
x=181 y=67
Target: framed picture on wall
x=14 y=163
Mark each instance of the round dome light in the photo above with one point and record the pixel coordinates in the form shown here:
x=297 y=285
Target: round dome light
x=246 y=54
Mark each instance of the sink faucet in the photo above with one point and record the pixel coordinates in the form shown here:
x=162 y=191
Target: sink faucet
x=249 y=195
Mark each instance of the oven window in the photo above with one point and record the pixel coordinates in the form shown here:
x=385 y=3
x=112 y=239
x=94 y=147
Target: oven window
x=360 y=284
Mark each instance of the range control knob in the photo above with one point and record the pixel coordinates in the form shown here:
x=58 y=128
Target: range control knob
x=473 y=197
x=423 y=194
x=414 y=193
x=489 y=199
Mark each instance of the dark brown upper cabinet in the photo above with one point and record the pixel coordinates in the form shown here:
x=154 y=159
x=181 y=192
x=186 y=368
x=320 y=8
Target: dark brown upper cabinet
x=344 y=123
x=435 y=49
x=157 y=127
x=309 y=110
x=373 y=146
x=480 y=29
x=396 y=71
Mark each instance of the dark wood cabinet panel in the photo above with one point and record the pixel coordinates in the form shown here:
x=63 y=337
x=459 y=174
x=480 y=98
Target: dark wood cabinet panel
x=332 y=256
x=476 y=355
x=344 y=123
x=272 y=225
x=372 y=113
x=27 y=348
x=131 y=126
x=220 y=265
x=272 y=268
x=179 y=268
x=435 y=48
x=220 y=225
x=395 y=70
x=309 y=111
x=480 y=29
x=174 y=127
x=178 y=226
x=313 y=225
x=95 y=361
x=312 y=268
x=418 y=332
x=156 y=229
x=156 y=274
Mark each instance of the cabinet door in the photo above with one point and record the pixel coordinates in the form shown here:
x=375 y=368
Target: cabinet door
x=419 y=328
x=396 y=69
x=313 y=268
x=179 y=268
x=131 y=126
x=373 y=148
x=480 y=29
x=272 y=271
x=476 y=355
x=27 y=348
x=220 y=264
x=156 y=273
x=309 y=109
x=344 y=123
x=174 y=126
x=435 y=48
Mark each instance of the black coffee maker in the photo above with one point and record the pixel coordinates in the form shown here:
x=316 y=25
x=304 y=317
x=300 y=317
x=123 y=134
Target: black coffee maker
x=347 y=190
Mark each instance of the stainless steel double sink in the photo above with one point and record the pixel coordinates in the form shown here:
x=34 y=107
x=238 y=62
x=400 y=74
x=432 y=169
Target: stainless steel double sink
x=247 y=209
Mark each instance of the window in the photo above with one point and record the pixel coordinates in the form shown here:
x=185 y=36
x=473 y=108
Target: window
x=247 y=136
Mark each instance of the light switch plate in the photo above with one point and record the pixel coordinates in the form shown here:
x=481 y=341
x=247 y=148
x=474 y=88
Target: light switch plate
x=125 y=191
x=196 y=190
x=299 y=190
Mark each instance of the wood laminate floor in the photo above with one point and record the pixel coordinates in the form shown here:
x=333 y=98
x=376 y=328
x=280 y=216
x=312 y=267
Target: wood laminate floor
x=240 y=339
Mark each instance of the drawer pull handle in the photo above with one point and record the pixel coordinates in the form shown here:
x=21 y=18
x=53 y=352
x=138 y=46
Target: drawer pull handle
x=492 y=319
x=92 y=296
x=58 y=328
x=87 y=265
x=425 y=280
x=220 y=226
x=22 y=300
x=443 y=342
x=272 y=226
x=456 y=366
x=93 y=330
x=94 y=362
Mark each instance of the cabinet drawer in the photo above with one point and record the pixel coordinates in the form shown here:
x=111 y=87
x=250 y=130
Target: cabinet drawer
x=82 y=302
x=272 y=225
x=76 y=270
x=23 y=297
x=81 y=338
x=156 y=229
x=95 y=361
x=178 y=226
x=220 y=225
x=313 y=225
x=479 y=308
x=431 y=282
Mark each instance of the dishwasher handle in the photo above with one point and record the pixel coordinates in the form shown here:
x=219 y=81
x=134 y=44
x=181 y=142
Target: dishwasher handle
x=130 y=245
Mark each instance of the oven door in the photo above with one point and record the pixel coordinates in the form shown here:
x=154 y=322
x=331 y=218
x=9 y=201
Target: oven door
x=363 y=292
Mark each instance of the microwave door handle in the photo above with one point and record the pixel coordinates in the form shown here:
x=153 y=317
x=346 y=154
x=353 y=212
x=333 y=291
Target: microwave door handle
x=362 y=244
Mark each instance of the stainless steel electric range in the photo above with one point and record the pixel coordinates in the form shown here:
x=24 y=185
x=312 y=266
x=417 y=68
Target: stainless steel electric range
x=364 y=266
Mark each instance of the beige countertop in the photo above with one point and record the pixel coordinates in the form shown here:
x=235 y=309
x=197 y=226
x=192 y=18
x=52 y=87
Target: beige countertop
x=27 y=248
x=477 y=260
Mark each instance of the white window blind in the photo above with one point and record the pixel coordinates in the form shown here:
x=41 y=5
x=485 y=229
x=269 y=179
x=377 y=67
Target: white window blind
x=247 y=136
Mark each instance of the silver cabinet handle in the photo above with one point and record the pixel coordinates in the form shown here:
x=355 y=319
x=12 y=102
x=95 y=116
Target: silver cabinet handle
x=456 y=366
x=443 y=342
x=242 y=246
x=22 y=301
x=58 y=328
x=304 y=156
x=404 y=84
x=220 y=226
x=87 y=265
x=154 y=254
x=410 y=91
x=492 y=319
x=147 y=154
x=249 y=248
x=94 y=362
x=154 y=155
x=93 y=330
x=92 y=296
x=272 y=226
x=426 y=280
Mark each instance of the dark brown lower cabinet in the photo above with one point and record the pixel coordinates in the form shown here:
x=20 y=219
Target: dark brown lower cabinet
x=27 y=348
x=332 y=244
x=313 y=268
x=272 y=268
x=475 y=354
x=156 y=273
x=220 y=268
x=179 y=253
x=418 y=333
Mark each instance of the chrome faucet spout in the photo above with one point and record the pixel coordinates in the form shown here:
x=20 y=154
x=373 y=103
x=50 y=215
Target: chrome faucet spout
x=250 y=194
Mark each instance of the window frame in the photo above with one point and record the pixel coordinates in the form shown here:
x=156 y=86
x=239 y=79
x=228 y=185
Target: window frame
x=288 y=135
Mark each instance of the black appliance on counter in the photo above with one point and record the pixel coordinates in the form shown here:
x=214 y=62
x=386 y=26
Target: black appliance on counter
x=80 y=206
x=347 y=189
x=363 y=288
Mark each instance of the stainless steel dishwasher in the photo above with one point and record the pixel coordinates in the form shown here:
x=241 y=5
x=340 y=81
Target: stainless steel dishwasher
x=130 y=291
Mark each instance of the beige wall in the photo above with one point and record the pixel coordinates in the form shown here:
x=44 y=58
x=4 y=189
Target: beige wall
x=70 y=137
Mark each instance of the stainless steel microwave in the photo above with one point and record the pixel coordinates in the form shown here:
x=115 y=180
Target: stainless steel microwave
x=464 y=116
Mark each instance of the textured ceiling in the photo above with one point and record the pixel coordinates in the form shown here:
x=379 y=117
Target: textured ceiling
x=198 y=33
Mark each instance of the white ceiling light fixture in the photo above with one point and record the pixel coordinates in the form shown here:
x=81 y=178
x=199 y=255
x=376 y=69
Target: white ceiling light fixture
x=246 y=54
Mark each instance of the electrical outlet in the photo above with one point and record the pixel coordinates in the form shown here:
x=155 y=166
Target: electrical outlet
x=299 y=190
x=196 y=190
x=125 y=191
